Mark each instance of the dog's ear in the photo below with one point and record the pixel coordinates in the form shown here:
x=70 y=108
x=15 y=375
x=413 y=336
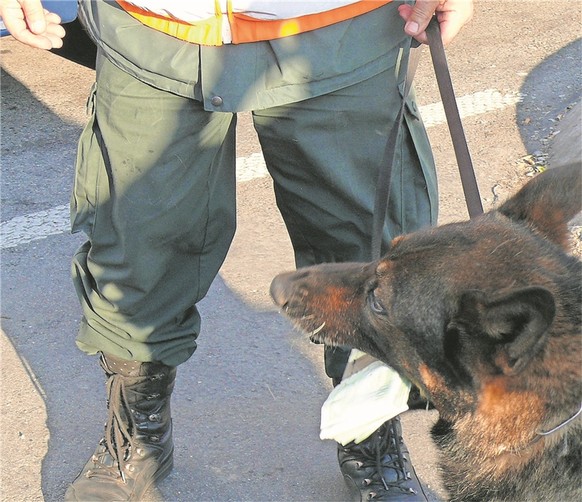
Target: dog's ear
x=548 y=202
x=515 y=324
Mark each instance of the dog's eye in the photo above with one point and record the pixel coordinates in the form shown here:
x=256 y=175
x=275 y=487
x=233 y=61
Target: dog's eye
x=375 y=304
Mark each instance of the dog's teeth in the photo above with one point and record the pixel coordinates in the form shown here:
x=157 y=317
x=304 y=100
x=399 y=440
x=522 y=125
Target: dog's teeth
x=317 y=330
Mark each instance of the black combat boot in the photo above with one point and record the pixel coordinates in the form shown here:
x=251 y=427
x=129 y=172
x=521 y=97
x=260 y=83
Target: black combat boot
x=379 y=467
x=137 y=449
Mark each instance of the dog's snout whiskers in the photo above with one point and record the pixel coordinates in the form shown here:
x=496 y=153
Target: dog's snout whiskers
x=317 y=330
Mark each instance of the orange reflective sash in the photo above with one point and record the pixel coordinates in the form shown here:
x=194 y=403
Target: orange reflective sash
x=207 y=32
x=245 y=28
x=248 y=29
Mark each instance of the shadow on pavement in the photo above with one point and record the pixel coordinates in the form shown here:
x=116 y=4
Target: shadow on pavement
x=547 y=92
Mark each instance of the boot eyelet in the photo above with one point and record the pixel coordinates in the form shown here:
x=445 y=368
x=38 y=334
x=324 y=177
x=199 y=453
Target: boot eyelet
x=366 y=482
x=155 y=439
x=138 y=415
x=154 y=417
x=140 y=452
x=152 y=396
x=130 y=467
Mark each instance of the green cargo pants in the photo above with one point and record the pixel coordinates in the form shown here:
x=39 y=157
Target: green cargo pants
x=155 y=193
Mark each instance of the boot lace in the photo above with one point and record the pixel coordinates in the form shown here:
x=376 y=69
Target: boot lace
x=118 y=441
x=385 y=453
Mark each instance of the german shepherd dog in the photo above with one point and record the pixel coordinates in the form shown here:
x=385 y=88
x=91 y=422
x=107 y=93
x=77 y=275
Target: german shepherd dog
x=484 y=317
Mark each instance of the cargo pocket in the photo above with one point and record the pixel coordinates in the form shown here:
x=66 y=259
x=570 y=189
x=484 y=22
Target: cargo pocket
x=88 y=166
x=414 y=179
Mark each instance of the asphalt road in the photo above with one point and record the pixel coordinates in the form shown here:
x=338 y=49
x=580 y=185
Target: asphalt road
x=246 y=406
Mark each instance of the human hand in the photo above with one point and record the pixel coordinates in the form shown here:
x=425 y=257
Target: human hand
x=451 y=15
x=29 y=23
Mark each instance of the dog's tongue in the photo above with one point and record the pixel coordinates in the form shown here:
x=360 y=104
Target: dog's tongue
x=361 y=403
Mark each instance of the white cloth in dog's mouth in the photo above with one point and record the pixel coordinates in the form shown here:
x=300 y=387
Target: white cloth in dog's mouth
x=361 y=403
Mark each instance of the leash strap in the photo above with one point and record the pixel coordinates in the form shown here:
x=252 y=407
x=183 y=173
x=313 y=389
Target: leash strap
x=443 y=77
x=461 y=149
x=410 y=56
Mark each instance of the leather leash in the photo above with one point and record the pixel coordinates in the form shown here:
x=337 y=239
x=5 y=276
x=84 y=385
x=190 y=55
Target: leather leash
x=467 y=173
x=443 y=76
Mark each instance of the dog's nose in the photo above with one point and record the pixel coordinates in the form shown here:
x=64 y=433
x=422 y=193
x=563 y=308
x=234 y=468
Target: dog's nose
x=280 y=289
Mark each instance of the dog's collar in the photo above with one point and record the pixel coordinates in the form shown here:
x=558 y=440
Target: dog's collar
x=558 y=427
